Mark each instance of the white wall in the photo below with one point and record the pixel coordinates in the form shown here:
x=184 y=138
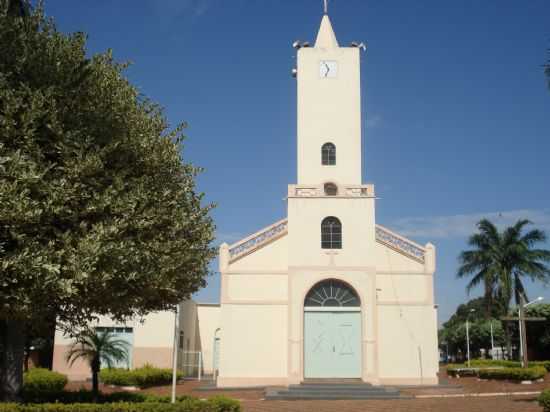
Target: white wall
x=329 y=110
x=357 y=217
x=209 y=322
x=253 y=344
x=407 y=345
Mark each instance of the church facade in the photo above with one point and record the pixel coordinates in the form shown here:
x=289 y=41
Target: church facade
x=327 y=292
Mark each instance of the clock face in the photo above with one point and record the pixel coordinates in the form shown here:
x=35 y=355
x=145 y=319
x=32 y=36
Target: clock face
x=328 y=68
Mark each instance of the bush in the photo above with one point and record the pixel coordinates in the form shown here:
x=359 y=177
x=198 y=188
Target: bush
x=86 y=396
x=517 y=374
x=142 y=377
x=480 y=363
x=216 y=404
x=223 y=404
x=38 y=381
x=545 y=364
x=544 y=400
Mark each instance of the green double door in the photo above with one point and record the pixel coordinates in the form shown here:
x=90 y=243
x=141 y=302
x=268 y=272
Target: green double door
x=332 y=344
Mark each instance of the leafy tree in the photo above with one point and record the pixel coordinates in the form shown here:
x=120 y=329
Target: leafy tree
x=96 y=348
x=452 y=335
x=99 y=214
x=501 y=260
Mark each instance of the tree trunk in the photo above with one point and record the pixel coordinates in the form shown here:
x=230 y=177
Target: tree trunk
x=96 y=366
x=12 y=335
x=95 y=385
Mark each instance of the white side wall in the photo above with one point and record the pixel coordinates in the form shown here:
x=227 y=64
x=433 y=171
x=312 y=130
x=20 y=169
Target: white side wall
x=209 y=323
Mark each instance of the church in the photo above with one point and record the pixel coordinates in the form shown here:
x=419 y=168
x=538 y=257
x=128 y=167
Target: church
x=327 y=293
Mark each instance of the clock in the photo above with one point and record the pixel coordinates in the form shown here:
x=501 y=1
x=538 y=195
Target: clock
x=328 y=69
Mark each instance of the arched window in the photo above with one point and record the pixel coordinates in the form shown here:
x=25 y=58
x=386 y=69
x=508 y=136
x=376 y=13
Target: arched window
x=332 y=293
x=331 y=233
x=328 y=154
x=331 y=189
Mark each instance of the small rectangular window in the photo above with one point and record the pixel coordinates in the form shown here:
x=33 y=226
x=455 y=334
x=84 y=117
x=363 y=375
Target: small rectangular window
x=180 y=342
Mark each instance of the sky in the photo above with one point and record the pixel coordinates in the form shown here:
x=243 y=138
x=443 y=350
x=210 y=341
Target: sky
x=456 y=111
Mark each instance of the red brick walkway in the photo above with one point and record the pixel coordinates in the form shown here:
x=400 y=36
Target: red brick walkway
x=252 y=400
x=497 y=404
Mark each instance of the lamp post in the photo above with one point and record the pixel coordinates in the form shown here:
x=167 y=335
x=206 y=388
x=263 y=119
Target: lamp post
x=175 y=353
x=522 y=332
x=468 y=336
x=492 y=341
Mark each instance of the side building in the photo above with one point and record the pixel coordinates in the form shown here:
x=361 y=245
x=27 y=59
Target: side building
x=151 y=339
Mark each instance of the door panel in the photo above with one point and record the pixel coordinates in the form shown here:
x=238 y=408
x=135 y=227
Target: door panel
x=332 y=344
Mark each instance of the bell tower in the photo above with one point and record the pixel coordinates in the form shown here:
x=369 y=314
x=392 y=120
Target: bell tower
x=329 y=111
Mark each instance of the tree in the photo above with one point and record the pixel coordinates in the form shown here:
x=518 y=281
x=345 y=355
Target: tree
x=97 y=348
x=501 y=260
x=452 y=335
x=99 y=214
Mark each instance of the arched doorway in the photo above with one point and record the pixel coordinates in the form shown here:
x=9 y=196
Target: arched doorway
x=332 y=331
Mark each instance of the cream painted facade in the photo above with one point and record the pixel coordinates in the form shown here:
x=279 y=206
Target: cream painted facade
x=263 y=332
x=266 y=277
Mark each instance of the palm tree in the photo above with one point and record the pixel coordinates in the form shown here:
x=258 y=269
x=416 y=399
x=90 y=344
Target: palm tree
x=97 y=348
x=501 y=260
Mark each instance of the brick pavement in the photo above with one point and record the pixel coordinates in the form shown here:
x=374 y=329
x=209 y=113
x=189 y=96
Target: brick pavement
x=499 y=404
x=252 y=399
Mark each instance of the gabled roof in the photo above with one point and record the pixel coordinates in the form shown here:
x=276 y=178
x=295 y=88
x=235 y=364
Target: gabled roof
x=258 y=240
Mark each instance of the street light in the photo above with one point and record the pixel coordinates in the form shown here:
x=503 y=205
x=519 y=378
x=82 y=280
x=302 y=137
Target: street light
x=520 y=322
x=468 y=335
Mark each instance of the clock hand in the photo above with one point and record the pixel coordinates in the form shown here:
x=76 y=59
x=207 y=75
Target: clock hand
x=328 y=69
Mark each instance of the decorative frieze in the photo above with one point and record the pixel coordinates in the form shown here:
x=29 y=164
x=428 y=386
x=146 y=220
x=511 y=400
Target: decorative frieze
x=342 y=191
x=400 y=244
x=257 y=240
x=308 y=191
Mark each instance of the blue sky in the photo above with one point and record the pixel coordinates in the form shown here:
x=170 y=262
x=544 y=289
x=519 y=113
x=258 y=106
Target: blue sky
x=455 y=108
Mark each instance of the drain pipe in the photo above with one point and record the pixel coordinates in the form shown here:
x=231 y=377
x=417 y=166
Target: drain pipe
x=421 y=369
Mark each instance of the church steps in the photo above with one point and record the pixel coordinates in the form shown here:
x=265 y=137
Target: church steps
x=333 y=391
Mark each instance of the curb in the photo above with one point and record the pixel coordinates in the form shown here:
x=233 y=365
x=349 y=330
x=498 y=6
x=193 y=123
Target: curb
x=477 y=395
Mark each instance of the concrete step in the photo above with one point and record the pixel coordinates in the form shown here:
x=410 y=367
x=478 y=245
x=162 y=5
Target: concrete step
x=333 y=391
x=321 y=396
x=363 y=387
x=344 y=391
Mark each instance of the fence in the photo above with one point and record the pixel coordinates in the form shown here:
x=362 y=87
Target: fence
x=190 y=364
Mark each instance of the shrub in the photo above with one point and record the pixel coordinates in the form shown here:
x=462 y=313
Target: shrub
x=480 y=363
x=38 y=381
x=223 y=404
x=517 y=374
x=544 y=400
x=142 y=377
x=217 y=404
x=545 y=364
x=86 y=396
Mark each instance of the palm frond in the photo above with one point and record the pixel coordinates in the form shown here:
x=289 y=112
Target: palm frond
x=92 y=345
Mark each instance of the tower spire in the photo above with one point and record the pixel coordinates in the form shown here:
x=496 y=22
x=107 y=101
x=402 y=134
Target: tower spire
x=326 y=38
x=325 y=9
